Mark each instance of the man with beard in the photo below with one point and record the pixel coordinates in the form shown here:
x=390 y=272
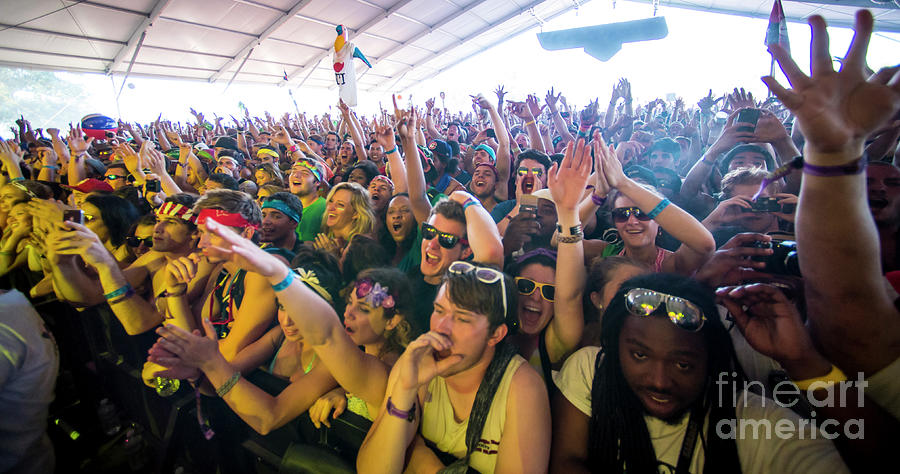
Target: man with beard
x=281 y=214
x=304 y=182
x=464 y=371
x=174 y=237
x=883 y=186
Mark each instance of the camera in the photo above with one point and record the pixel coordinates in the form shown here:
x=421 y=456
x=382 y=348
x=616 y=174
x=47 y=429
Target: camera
x=153 y=186
x=769 y=204
x=784 y=259
x=748 y=116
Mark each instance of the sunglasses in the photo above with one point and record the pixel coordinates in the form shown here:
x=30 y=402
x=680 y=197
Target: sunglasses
x=136 y=242
x=447 y=240
x=485 y=275
x=535 y=171
x=112 y=177
x=682 y=313
x=527 y=286
x=621 y=214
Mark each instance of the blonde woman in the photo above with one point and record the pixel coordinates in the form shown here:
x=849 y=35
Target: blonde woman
x=348 y=212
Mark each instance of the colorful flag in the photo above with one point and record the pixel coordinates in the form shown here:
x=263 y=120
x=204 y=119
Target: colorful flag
x=777 y=33
x=285 y=74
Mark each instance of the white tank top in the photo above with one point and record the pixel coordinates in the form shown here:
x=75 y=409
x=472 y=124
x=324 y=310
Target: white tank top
x=440 y=427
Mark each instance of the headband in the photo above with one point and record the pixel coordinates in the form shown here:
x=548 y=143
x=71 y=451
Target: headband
x=491 y=166
x=309 y=277
x=312 y=167
x=384 y=178
x=179 y=211
x=534 y=253
x=281 y=207
x=230 y=219
x=266 y=151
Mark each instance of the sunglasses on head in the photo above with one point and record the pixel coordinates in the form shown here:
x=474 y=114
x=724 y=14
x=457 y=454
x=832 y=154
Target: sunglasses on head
x=485 y=275
x=136 y=242
x=446 y=240
x=682 y=313
x=526 y=286
x=621 y=214
x=535 y=171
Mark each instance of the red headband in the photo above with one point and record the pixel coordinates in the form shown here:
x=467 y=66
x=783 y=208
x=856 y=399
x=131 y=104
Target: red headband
x=230 y=219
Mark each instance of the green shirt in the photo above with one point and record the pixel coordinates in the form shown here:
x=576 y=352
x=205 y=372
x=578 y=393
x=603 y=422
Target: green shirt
x=311 y=221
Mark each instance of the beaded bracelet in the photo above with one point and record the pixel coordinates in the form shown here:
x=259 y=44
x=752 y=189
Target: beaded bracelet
x=229 y=384
x=284 y=283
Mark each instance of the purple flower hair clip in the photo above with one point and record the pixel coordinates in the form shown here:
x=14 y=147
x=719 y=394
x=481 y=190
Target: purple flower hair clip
x=374 y=294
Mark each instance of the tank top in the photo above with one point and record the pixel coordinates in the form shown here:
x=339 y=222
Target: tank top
x=661 y=255
x=447 y=435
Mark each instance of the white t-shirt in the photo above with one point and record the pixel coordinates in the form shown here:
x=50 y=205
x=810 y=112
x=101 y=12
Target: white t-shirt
x=884 y=388
x=758 y=452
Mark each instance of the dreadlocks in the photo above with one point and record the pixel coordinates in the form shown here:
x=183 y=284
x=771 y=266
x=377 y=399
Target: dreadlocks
x=618 y=434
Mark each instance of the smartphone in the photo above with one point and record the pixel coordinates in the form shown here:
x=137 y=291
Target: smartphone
x=74 y=215
x=153 y=186
x=748 y=116
x=490 y=132
x=528 y=203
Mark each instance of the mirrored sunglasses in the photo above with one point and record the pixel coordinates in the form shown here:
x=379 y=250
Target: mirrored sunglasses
x=446 y=240
x=682 y=313
x=621 y=214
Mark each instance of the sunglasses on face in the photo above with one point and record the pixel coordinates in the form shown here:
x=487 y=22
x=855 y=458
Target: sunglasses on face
x=113 y=177
x=535 y=171
x=682 y=313
x=621 y=214
x=485 y=275
x=136 y=242
x=446 y=240
x=88 y=217
x=527 y=286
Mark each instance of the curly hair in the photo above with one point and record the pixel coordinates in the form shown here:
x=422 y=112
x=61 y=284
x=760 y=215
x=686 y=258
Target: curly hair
x=398 y=286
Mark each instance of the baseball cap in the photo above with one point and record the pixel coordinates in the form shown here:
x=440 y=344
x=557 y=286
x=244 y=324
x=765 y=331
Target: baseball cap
x=90 y=185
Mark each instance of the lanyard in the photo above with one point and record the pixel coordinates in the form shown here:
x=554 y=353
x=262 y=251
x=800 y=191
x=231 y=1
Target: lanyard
x=690 y=440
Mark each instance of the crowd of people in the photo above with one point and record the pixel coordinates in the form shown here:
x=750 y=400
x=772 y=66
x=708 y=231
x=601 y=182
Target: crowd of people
x=713 y=261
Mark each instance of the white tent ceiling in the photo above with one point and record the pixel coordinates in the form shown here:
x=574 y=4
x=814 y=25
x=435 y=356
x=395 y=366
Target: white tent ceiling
x=260 y=40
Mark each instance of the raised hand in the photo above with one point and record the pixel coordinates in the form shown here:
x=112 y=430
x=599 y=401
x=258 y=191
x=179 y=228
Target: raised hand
x=534 y=105
x=707 y=103
x=836 y=110
x=77 y=142
x=567 y=179
x=429 y=104
x=740 y=99
x=500 y=94
x=418 y=365
x=590 y=114
x=243 y=252
x=601 y=152
x=552 y=99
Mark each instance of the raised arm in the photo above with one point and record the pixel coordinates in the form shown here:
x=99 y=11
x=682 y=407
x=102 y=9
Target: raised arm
x=429 y=120
x=384 y=135
x=503 y=155
x=560 y=124
x=851 y=313
x=415 y=177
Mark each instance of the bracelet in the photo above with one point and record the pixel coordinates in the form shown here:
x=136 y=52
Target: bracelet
x=119 y=292
x=392 y=150
x=229 y=384
x=18 y=178
x=128 y=294
x=408 y=415
x=529 y=123
x=470 y=202
x=284 y=283
x=827 y=380
x=854 y=167
x=599 y=201
x=659 y=208
x=50 y=167
x=570 y=239
x=574 y=230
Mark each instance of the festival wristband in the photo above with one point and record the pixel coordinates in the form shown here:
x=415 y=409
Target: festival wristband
x=659 y=208
x=831 y=378
x=529 y=123
x=119 y=292
x=51 y=167
x=854 y=167
x=408 y=415
x=18 y=178
x=284 y=283
x=469 y=203
x=392 y=150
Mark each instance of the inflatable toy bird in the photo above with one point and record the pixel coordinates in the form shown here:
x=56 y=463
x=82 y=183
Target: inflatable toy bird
x=344 y=69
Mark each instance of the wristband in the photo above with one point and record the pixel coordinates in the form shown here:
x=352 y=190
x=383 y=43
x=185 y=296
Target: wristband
x=128 y=294
x=392 y=150
x=229 y=384
x=119 y=292
x=574 y=230
x=408 y=415
x=827 y=380
x=599 y=201
x=18 y=178
x=659 y=208
x=570 y=239
x=50 y=167
x=470 y=202
x=529 y=123
x=284 y=283
x=854 y=167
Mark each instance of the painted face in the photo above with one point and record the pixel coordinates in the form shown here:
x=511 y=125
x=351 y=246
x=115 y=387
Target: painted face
x=400 y=220
x=116 y=177
x=437 y=259
x=747 y=159
x=664 y=366
x=364 y=323
x=380 y=193
x=302 y=181
x=484 y=182
x=468 y=331
x=531 y=169
x=275 y=226
x=883 y=185
x=535 y=311
x=171 y=234
x=9 y=194
x=338 y=212
x=635 y=233
x=359 y=177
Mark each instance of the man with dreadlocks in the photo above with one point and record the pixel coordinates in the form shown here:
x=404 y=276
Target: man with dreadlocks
x=659 y=396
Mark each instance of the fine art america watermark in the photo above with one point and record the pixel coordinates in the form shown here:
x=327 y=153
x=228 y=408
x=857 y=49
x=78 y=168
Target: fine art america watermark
x=824 y=396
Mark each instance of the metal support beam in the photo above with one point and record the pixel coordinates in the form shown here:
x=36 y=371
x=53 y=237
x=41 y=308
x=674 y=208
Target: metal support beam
x=374 y=21
x=138 y=34
x=60 y=34
x=137 y=49
x=477 y=33
x=245 y=51
x=236 y=71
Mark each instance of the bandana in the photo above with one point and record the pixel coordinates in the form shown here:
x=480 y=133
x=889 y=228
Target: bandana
x=384 y=178
x=230 y=219
x=266 y=151
x=283 y=208
x=173 y=209
x=312 y=167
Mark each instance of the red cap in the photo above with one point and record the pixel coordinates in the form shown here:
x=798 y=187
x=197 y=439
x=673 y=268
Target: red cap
x=90 y=185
